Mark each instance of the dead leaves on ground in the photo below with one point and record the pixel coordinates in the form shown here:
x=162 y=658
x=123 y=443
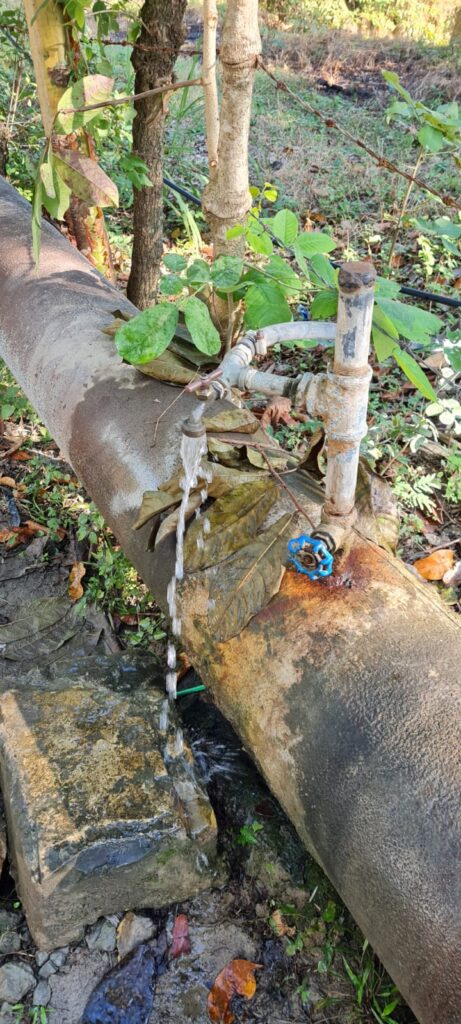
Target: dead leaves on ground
x=75 y=590
x=435 y=566
x=277 y=413
x=180 y=942
x=237 y=978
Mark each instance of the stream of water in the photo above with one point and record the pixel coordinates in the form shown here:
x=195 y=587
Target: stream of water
x=192 y=451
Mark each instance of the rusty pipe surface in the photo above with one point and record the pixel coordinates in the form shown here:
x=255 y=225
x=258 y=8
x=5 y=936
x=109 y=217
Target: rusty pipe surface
x=345 y=692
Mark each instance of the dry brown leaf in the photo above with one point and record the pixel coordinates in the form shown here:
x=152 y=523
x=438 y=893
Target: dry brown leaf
x=7 y=481
x=277 y=411
x=279 y=925
x=237 y=978
x=76 y=574
x=180 y=944
x=434 y=566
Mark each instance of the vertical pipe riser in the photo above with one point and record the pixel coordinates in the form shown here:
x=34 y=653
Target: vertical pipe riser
x=347 y=387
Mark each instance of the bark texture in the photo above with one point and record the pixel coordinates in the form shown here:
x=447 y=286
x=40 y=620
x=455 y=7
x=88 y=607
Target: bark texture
x=53 y=55
x=226 y=199
x=162 y=28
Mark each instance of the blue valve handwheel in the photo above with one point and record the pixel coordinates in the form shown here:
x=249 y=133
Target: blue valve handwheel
x=321 y=555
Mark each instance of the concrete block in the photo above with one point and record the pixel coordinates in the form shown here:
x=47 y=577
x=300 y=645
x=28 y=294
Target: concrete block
x=99 y=819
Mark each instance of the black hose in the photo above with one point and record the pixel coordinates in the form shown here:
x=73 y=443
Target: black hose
x=416 y=293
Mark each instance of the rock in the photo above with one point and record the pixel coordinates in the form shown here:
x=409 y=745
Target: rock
x=16 y=980
x=132 y=931
x=102 y=936
x=58 y=958
x=72 y=987
x=98 y=819
x=3 y=836
x=42 y=994
x=7 y=1015
x=126 y=995
x=10 y=940
x=41 y=958
x=48 y=969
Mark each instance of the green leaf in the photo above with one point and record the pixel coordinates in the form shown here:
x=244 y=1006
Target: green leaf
x=260 y=242
x=56 y=195
x=325 y=304
x=286 y=278
x=88 y=90
x=454 y=358
x=385 y=325
x=285 y=226
x=171 y=284
x=148 y=334
x=85 y=178
x=412 y=323
x=383 y=345
x=198 y=273
x=174 y=261
x=322 y=271
x=308 y=243
x=226 y=272
x=430 y=138
x=393 y=80
x=136 y=170
x=200 y=326
x=265 y=304
x=234 y=521
x=441 y=227
x=46 y=174
x=236 y=232
x=389 y=289
x=413 y=371
x=253 y=575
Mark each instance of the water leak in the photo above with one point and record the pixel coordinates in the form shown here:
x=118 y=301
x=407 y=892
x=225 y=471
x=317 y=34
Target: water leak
x=192 y=451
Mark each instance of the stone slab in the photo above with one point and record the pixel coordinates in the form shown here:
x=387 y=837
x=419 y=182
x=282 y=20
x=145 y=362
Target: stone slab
x=99 y=819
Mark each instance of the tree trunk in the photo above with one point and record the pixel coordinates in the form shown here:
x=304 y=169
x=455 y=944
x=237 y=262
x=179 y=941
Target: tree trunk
x=52 y=58
x=226 y=199
x=162 y=28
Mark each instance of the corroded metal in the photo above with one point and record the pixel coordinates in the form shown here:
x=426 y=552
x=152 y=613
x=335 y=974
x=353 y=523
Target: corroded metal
x=346 y=692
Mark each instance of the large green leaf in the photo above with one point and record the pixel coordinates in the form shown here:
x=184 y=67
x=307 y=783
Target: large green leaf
x=148 y=334
x=252 y=576
x=325 y=304
x=308 y=243
x=226 y=272
x=198 y=273
x=411 y=322
x=56 y=197
x=259 y=240
x=265 y=304
x=234 y=520
x=441 y=227
x=430 y=138
x=414 y=372
x=285 y=226
x=322 y=272
x=175 y=262
x=88 y=90
x=200 y=326
x=85 y=178
x=285 y=277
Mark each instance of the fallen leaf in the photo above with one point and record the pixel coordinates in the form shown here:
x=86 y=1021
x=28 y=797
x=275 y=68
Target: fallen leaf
x=277 y=411
x=7 y=481
x=233 y=521
x=252 y=577
x=180 y=944
x=452 y=577
x=237 y=978
x=170 y=368
x=154 y=502
x=377 y=511
x=170 y=523
x=434 y=566
x=41 y=626
x=223 y=480
x=228 y=454
x=76 y=574
x=279 y=925
x=241 y=420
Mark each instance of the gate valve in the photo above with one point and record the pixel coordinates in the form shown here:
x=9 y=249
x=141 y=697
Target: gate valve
x=310 y=556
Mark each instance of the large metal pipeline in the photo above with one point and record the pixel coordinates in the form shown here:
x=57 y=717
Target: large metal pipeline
x=345 y=692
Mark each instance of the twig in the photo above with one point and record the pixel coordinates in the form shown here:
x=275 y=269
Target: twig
x=403 y=208
x=285 y=486
x=172 y=87
x=329 y=122
x=162 y=414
